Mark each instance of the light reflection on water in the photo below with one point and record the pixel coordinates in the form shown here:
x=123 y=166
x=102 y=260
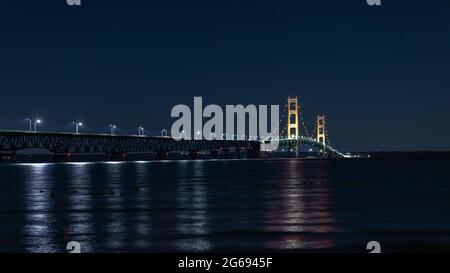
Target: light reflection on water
x=230 y=205
x=298 y=212
x=80 y=219
x=114 y=227
x=141 y=219
x=192 y=199
x=39 y=228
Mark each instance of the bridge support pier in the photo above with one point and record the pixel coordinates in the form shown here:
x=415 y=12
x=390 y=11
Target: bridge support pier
x=12 y=156
x=238 y=153
x=194 y=155
x=226 y=152
x=252 y=153
x=214 y=154
x=162 y=155
x=292 y=150
x=121 y=156
x=57 y=156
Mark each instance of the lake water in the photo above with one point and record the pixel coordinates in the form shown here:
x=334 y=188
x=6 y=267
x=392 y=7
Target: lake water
x=226 y=205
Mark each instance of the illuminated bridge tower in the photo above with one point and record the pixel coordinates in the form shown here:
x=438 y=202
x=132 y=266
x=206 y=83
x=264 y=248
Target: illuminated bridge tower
x=292 y=125
x=292 y=115
x=321 y=135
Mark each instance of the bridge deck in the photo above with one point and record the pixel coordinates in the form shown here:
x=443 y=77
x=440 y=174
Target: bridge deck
x=12 y=141
x=103 y=143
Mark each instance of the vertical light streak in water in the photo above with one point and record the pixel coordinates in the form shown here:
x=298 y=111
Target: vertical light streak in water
x=80 y=227
x=192 y=208
x=318 y=222
x=287 y=211
x=296 y=212
x=142 y=218
x=115 y=226
x=320 y=201
x=39 y=228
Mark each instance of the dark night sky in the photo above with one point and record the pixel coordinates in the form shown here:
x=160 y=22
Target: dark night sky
x=380 y=74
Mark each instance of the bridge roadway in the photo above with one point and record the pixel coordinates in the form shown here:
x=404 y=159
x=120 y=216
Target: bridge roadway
x=310 y=142
x=117 y=146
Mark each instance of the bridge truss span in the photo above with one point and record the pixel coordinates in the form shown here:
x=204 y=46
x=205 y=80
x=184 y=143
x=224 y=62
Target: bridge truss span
x=12 y=141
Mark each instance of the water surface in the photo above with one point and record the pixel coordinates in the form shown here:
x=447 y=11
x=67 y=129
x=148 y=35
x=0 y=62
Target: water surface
x=226 y=205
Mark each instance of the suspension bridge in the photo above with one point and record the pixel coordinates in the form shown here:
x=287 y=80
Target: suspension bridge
x=292 y=139
x=64 y=145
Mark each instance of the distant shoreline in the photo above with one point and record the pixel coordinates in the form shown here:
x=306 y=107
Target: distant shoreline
x=407 y=155
x=46 y=158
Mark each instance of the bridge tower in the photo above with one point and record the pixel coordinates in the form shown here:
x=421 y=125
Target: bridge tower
x=321 y=134
x=292 y=115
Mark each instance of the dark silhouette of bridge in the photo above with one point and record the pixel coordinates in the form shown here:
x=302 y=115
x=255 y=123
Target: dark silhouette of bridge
x=64 y=145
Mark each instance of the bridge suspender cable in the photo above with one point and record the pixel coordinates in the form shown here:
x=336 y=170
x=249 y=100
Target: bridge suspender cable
x=303 y=124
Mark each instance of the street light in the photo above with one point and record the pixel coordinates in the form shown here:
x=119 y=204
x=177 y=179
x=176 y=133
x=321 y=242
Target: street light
x=141 y=131
x=29 y=120
x=36 y=122
x=77 y=124
x=113 y=129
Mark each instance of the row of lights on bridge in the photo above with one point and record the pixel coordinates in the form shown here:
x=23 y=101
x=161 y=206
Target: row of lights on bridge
x=33 y=126
x=113 y=127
